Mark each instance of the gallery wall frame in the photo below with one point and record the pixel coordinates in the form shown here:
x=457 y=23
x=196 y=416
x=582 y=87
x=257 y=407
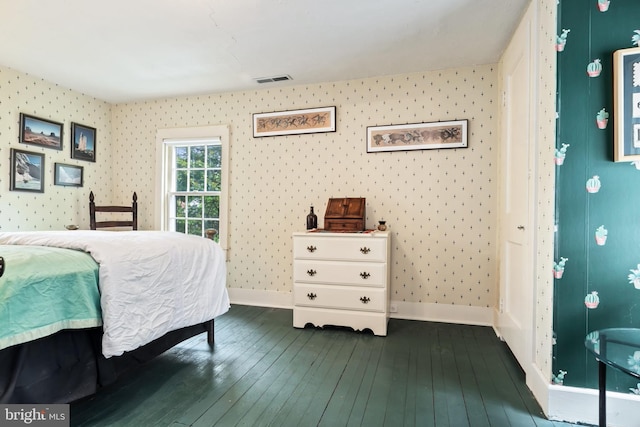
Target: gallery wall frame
x=294 y=122
x=83 y=142
x=42 y=132
x=626 y=100
x=68 y=175
x=417 y=136
x=27 y=171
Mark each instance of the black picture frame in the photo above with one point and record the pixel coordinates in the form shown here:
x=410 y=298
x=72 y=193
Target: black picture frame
x=68 y=175
x=83 y=142
x=626 y=99
x=27 y=171
x=41 y=132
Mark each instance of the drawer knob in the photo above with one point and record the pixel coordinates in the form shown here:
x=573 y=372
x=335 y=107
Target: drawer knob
x=365 y=250
x=365 y=300
x=365 y=275
x=311 y=272
x=311 y=296
x=311 y=248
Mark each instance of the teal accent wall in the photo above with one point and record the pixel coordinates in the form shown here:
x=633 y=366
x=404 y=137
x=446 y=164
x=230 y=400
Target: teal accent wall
x=593 y=265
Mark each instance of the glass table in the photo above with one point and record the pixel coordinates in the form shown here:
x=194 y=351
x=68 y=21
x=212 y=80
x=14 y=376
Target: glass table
x=618 y=348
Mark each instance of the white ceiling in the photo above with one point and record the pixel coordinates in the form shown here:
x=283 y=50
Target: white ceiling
x=127 y=50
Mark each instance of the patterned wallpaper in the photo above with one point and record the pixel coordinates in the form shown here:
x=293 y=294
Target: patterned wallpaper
x=57 y=206
x=546 y=87
x=440 y=204
x=596 y=249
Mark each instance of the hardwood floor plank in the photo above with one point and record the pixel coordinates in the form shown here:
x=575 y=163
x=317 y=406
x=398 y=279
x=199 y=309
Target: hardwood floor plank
x=264 y=372
x=340 y=406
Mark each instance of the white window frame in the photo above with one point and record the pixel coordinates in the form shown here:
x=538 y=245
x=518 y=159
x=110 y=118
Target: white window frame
x=165 y=140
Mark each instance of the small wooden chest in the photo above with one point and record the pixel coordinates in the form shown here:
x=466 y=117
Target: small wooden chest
x=346 y=215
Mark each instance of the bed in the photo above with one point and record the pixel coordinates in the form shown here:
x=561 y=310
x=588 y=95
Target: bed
x=79 y=308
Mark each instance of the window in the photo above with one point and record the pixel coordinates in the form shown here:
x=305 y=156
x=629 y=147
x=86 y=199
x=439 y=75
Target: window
x=193 y=185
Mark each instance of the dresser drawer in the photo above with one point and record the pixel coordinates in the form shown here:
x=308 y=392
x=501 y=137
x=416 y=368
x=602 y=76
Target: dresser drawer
x=347 y=273
x=339 y=297
x=340 y=248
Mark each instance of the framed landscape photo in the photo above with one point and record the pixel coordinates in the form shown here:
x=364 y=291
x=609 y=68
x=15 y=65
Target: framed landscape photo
x=295 y=122
x=68 y=175
x=83 y=142
x=626 y=101
x=42 y=132
x=418 y=136
x=27 y=171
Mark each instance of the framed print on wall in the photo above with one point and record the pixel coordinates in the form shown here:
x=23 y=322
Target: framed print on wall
x=626 y=100
x=83 y=142
x=42 y=132
x=67 y=175
x=294 y=122
x=27 y=171
x=418 y=136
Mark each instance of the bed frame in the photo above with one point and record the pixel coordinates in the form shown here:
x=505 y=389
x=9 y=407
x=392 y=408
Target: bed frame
x=69 y=365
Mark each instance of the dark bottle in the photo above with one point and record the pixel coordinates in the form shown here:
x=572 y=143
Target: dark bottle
x=312 y=220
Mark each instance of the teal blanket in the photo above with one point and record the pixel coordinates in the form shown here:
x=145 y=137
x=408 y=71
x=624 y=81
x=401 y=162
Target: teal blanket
x=44 y=290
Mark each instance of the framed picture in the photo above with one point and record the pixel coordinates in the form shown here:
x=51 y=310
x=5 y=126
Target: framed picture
x=294 y=122
x=67 y=175
x=27 y=171
x=83 y=142
x=419 y=136
x=626 y=100
x=42 y=132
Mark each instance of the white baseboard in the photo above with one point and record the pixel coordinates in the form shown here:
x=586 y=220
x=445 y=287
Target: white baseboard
x=447 y=313
x=580 y=405
x=261 y=298
x=539 y=384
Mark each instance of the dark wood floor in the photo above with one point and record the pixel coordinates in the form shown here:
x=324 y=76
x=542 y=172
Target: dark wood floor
x=264 y=372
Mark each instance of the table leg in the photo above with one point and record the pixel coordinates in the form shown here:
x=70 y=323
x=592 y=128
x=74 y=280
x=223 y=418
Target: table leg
x=602 y=386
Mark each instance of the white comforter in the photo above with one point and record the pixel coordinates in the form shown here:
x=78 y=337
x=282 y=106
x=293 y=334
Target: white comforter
x=151 y=282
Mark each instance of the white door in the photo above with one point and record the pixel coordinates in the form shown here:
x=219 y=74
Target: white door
x=517 y=298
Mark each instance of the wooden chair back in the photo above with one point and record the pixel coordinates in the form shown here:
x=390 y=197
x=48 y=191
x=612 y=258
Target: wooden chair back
x=133 y=222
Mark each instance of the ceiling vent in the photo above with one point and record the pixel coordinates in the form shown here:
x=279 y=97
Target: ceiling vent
x=274 y=79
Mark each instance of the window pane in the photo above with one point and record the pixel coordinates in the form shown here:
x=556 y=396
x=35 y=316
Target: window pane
x=197 y=156
x=214 y=179
x=181 y=180
x=195 y=227
x=214 y=156
x=180 y=225
x=212 y=207
x=181 y=157
x=197 y=180
x=180 y=205
x=195 y=207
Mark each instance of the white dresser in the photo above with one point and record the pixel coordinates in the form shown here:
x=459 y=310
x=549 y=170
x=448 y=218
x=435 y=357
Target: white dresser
x=341 y=279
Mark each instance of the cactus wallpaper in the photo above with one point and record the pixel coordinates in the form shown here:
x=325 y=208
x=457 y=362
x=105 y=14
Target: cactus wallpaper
x=596 y=266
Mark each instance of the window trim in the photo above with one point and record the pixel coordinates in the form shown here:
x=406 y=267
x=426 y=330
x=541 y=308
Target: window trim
x=164 y=138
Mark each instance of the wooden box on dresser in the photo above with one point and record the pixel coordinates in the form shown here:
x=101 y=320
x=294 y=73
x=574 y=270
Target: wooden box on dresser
x=341 y=279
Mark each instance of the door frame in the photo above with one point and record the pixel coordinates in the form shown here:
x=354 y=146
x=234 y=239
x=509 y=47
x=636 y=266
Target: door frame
x=529 y=24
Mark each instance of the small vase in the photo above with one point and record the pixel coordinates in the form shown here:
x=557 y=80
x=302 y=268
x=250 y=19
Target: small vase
x=312 y=220
x=382 y=225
